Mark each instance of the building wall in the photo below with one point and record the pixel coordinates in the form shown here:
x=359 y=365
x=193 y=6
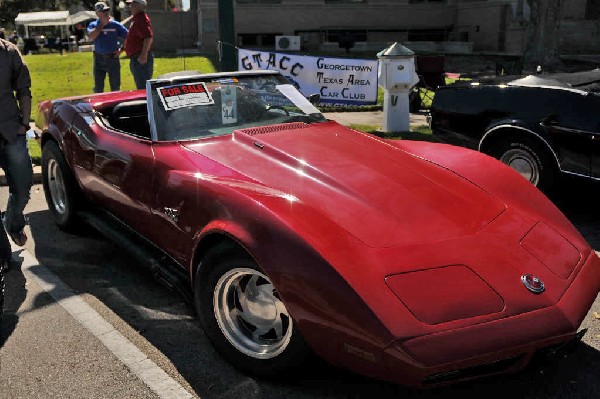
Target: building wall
x=485 y=23
x=574 y=9
x=490 y=25
x=579 y=37
x=303 y=16
x=173 y=30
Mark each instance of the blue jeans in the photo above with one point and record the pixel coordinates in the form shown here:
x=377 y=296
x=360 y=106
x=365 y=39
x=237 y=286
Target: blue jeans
x=102 y=66
x=15 y=160
x=141 y=73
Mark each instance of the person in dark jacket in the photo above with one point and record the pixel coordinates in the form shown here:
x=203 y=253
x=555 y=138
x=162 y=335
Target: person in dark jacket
x=15 y=103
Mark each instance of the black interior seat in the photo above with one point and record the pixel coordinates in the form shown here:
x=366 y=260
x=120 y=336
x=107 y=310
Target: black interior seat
x=132 y=117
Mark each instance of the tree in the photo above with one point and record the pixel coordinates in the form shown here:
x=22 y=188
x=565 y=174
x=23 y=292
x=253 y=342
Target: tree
x=9 y=9
x=543 y=32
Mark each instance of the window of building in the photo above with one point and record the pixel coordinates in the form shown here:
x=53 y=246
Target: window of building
x=257 y=40
x=334 y=35
x=427 y=35
x=345 y=1
x=258 y=1
x=427 y=1
x=592 y=9
x=176 y=5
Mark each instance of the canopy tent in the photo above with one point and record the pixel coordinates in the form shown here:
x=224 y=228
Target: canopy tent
x=52 y=18
x=43 y=18
x=82 y=16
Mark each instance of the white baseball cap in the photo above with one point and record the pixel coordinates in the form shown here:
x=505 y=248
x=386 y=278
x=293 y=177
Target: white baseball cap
x=141 y=2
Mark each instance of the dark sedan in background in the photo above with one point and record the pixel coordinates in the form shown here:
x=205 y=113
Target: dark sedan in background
x=543 y=126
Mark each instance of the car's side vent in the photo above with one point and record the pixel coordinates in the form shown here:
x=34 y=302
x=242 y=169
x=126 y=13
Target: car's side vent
x=274 y=128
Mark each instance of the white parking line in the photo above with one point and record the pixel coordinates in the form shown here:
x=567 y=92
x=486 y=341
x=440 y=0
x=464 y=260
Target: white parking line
x=146 y=370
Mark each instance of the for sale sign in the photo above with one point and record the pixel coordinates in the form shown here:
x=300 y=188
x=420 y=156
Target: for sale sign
x=184 y=95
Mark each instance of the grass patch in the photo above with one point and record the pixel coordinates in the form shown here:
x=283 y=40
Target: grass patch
x=54 y=75
x=35 y=152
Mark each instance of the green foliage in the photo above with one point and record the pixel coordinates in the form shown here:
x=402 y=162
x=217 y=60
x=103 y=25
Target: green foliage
x=9 y=9
x=35 y=152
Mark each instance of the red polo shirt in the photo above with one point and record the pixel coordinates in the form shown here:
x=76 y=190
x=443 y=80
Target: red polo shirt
x=139 y=29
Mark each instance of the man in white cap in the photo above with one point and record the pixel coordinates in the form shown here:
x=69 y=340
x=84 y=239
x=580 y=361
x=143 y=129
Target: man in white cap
x=139 y=42
x=108 y=36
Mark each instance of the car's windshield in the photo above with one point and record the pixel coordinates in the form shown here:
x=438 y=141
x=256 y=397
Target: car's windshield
x=201 y=107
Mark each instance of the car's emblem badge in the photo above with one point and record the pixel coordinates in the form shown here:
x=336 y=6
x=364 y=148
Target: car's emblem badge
x=533 y=283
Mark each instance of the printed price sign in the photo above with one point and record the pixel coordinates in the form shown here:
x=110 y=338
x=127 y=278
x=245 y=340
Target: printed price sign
x=184 y=95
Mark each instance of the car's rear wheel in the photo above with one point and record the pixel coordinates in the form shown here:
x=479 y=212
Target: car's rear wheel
x=244 y=316
x=59 y=186
x=530 y=160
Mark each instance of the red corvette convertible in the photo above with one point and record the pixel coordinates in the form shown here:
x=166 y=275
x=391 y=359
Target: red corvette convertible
x=412 y=262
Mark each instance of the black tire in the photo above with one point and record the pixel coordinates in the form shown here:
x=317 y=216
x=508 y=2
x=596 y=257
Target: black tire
x=230 y=328
x=60 y=188
x=530 y=158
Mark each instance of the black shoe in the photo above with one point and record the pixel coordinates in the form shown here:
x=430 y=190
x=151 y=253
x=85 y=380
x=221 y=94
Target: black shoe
x=19 y=238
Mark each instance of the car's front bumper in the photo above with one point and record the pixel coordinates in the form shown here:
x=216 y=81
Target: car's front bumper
x=497 y=346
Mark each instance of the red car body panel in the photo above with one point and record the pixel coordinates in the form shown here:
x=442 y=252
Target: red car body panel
x=399 y=260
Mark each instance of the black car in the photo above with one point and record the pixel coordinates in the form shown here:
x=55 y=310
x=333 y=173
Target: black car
x=543 y=126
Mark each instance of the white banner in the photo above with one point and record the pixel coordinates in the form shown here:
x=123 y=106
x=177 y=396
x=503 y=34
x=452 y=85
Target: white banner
x=337 y=80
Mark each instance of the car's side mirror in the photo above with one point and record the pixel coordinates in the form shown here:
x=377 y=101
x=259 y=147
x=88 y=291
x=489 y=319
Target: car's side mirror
x=314 y=98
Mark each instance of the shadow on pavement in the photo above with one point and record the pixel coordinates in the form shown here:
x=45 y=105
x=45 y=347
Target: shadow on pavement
x=15 y=293
x=90 y=264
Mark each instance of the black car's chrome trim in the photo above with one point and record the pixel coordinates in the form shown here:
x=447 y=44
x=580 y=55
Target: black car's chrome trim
x=568 y=129
x=580 y=175
x=525 y=130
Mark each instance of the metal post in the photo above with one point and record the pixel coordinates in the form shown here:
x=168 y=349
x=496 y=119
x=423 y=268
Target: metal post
x=227 y=36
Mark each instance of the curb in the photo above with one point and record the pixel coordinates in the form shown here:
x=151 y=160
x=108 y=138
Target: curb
x=37 y=176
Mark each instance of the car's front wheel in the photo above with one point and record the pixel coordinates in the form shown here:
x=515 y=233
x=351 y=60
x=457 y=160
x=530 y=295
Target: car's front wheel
x=530 y=160
x=59 y=186
x=244 y=316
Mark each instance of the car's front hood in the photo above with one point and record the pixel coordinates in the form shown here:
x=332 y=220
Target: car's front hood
x=379 y=194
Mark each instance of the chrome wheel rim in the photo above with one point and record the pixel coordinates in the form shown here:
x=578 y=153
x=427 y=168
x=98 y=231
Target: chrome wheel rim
x=524 y=163
x=56 y=185
x=250 y=314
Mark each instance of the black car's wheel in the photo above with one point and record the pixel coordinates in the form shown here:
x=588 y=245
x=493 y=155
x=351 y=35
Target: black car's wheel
x=243 y=315
x=59 y=186
x=530 y=159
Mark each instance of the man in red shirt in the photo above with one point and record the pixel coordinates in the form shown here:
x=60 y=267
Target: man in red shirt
x=139 y=42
